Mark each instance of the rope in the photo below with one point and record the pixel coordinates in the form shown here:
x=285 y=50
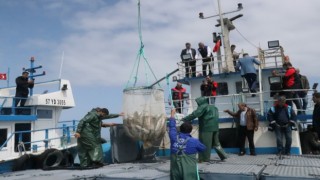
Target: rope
x=169 y=90
x=246 y=39
x=135 y=78
x=140 y=54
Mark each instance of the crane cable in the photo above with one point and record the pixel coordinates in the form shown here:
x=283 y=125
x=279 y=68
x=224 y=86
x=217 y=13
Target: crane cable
x=140 y=54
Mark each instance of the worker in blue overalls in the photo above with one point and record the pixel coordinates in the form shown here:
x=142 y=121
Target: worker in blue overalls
x=183 y=151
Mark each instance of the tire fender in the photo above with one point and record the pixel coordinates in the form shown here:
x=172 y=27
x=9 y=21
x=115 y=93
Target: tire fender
x=67 y=160
x=22 y=163
x=53 y=159
x=40 y=158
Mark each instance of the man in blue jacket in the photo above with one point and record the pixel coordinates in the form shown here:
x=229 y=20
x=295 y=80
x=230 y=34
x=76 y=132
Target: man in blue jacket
x=248 y=71
x=281 y=117
x=183 y=151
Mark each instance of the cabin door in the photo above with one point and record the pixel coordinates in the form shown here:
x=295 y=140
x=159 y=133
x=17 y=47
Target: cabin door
x=25 y=137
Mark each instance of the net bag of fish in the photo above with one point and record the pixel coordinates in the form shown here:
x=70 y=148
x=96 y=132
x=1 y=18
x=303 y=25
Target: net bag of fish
x=144 y=115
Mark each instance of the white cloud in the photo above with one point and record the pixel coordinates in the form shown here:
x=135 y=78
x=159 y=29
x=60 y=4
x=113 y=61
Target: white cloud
x=101 y=39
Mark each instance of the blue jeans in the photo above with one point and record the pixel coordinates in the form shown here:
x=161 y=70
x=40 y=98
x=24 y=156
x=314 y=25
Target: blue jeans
x=287 y=133
x=178 y=104
x=212 y=100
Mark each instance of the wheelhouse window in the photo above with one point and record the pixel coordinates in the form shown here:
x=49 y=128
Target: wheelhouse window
x=222 y=88
x=238 y=87
x=44 y=114
x=3 y=136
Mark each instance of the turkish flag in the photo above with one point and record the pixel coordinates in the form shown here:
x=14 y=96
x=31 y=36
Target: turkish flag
x=3 y=76
x=217 y=46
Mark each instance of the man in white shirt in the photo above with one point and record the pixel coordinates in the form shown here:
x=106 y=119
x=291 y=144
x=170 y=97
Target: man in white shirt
x=205 y=53
x=235 y=56
x=248 y=124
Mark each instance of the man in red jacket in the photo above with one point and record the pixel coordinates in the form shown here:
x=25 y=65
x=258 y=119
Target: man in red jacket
x=177 y=96
x=291 y=82
x=213 y=85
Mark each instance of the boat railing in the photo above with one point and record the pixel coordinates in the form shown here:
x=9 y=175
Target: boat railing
x=270 y=58
x=231 y=102
x=38 y=84
x=74 y=123
x=65 y=138
x=8 y=107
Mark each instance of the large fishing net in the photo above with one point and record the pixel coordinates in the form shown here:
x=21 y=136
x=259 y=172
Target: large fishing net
x=144 y=115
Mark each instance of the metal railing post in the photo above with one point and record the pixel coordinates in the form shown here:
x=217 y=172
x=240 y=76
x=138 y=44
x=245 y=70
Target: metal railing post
x=74 y=125
x=13 y=108
x=20 y=137
x=260 y=92
x=64 y=129
x=46 y=139
x=68 y=135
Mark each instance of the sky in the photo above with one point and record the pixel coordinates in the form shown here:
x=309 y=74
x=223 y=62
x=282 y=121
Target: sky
x=97 y=41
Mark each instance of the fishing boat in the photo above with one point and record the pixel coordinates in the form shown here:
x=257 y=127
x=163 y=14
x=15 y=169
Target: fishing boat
x=36 y=127
x=124 y=153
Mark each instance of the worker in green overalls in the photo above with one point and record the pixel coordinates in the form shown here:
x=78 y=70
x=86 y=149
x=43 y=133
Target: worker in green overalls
x=208 y=116
x=89 y=137
x=183 y=151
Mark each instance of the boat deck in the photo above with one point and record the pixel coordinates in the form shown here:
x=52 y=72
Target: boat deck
x=235 y=167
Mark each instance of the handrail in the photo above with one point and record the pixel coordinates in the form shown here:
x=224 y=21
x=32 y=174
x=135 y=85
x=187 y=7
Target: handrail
x=38 y=83
x=214 y=68
x=274 y=57
x=266 y=103
x=44 y=140
x=12 y=106
x=68 y=121
x=73 y=123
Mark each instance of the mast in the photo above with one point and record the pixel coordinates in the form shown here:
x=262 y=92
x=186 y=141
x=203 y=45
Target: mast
x=31 y=71
x=226 y=42
x=226 y=27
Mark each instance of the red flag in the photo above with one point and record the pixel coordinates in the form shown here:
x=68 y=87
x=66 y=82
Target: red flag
x=3 y=76
x=217 y=46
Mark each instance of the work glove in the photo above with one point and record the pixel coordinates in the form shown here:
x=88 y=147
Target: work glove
x=293 y=125
x=272 y=126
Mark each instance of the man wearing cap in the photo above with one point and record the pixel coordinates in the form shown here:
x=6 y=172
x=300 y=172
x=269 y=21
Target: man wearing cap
x=281 y=117
x=89 y=137
x=188 y=56
x=22 y=89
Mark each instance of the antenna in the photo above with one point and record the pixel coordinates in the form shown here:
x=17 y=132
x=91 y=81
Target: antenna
x=61 y=65
x=32 y=70
x=226 y=27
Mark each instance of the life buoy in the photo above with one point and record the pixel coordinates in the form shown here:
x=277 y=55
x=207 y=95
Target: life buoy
x=53 y=159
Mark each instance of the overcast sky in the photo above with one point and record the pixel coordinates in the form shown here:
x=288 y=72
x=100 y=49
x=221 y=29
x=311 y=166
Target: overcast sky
x=99 y=39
